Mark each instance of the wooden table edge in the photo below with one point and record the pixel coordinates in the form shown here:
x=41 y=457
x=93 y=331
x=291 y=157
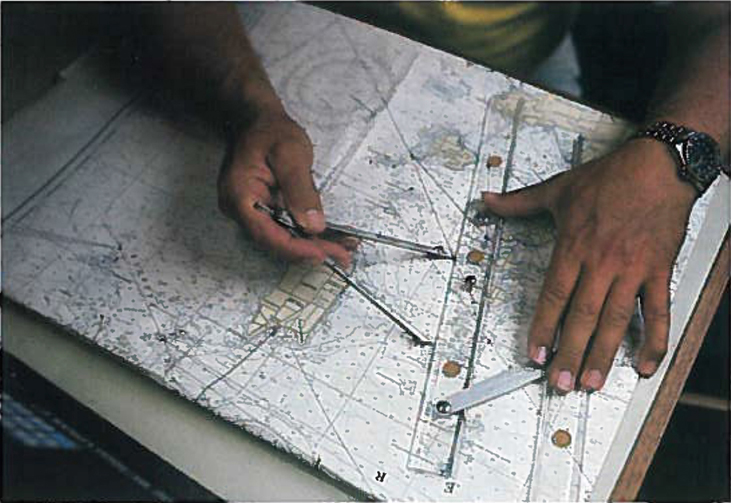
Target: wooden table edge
x=653 y=428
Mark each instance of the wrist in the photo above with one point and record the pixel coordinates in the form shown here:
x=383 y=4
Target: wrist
x=258 y=94
x=661 y=166
x=249 y=98
x=697 y=155
x=692 y=121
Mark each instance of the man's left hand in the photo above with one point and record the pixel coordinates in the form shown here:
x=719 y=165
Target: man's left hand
x=621 y=220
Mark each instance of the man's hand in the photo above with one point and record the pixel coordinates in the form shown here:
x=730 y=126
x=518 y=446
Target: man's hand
x=270 y=164
x=202 y=50
x=621 y=220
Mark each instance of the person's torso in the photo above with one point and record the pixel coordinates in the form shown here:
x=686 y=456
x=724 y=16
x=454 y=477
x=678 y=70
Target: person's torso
x=513 y=37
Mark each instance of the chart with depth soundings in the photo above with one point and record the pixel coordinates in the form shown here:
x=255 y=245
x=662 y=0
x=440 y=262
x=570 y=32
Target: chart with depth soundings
x=130 y=252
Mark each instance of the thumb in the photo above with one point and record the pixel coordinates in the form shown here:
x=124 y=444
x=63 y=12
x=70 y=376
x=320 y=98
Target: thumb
x=290 y=162
x=520 y=203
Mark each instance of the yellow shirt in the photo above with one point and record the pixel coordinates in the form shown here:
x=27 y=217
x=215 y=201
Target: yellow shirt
x=508 y=36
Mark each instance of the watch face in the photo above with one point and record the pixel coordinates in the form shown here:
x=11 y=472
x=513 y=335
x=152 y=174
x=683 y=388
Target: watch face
x=702 y=157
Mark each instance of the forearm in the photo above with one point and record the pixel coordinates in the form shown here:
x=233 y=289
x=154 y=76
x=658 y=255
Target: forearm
x=694 y=88
x=204 y=49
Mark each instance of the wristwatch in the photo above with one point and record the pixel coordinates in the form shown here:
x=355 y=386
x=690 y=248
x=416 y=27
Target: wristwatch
x=697 y=154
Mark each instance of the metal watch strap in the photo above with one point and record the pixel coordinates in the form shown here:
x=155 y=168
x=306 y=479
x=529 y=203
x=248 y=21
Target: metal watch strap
x=664 y=131
x=672 y=134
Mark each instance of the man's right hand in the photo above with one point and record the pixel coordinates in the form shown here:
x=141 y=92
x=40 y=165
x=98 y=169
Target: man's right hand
x=202 y=49
x=271 y=164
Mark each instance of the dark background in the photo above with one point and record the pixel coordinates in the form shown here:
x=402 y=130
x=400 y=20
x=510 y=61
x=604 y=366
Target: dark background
x=620 y=48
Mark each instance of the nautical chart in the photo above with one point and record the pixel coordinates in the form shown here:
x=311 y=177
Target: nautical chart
x=128 y=250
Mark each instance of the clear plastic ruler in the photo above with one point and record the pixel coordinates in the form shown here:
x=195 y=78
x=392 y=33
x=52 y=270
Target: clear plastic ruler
x=436 y=438
x=558 y=448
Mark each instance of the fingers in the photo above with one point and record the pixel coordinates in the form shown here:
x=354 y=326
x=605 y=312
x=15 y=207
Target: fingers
x=613 y=323
x=259 y=164
x=656 y=311
x=558 y=285
x=337 y=251
x=582 y=317
x=523 y=202
x=616 y=313
x=267 y=232
x=291 y=162
x=348 y=242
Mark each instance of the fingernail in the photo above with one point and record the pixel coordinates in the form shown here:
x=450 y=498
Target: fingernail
x=593 y=380
x=539 y=355
x=647 y=368
x=565 y=381
x=315 y=220
x=488 y=194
